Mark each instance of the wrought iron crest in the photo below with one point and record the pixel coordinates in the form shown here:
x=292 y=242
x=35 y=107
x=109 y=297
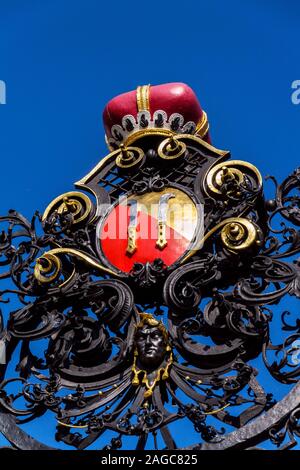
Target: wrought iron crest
x=137 y=335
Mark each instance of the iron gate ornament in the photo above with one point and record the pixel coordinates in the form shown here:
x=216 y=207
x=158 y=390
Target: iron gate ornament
x=142 y=333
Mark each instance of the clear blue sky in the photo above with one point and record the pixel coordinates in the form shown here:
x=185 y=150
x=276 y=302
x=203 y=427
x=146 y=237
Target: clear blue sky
x=62 y=60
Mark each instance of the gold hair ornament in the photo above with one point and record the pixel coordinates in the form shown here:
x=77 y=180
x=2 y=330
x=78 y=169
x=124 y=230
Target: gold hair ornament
x=161 y=374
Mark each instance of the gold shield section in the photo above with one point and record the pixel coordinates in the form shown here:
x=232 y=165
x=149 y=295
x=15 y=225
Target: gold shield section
x=182 y=213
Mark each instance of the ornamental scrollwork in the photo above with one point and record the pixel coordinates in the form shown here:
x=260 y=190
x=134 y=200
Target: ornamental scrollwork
x=137 y=335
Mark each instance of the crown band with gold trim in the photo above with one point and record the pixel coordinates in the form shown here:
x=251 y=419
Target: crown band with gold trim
x=143 y=122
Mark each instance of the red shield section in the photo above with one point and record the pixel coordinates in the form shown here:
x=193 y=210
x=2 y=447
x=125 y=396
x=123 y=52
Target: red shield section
x=180 y=220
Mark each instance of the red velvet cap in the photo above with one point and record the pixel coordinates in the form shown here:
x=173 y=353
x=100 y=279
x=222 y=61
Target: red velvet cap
x=172 y=106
